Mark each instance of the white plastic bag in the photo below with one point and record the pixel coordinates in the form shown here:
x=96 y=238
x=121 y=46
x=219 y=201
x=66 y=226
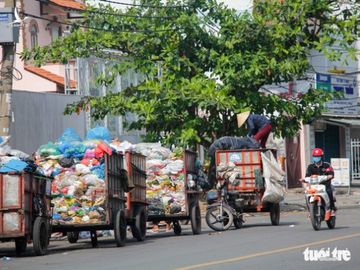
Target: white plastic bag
x=274 y=180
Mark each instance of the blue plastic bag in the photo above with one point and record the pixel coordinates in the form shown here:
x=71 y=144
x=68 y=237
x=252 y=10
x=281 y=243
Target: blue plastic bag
x=99 y=171
x=98 y=133
x=75 y=151
x=13 y=165
x=69 y=136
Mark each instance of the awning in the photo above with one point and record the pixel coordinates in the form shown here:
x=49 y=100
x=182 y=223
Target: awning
x=342 y=121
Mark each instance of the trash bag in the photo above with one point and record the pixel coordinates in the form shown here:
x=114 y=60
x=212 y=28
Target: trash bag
x=66 y=162
x=98 y=133
x=75 y=151
x=274 y=179
x=69 y=136
x=13 y=165
x=49 y=149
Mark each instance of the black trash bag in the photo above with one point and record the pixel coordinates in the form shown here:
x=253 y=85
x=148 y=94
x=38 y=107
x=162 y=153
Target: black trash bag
x=31 y=166
x=227 y=143
x=66 y=162
x=175 y=208
x=155 y=210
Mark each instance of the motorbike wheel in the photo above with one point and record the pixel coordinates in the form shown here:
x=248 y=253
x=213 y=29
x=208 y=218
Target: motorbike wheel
x=315 y=219
x=331 y=222
x=219 y=221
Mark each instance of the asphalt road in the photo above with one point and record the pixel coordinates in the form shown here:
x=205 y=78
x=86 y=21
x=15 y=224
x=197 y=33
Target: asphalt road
x=256 y=246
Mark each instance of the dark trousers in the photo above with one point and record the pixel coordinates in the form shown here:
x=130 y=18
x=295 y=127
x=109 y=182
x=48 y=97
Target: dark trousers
x=329 y=191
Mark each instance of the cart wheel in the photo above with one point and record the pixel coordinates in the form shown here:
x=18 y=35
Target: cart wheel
x=177 y=228
x=238 y=222
x=139 y=228
x=94 y=240
x=20 y=245
x=40 y=236
x=195 y=216
x=72 y=237
x=120 y=228
x=275 y=213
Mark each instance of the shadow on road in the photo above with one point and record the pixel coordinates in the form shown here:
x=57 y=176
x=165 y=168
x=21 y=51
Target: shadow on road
x=63 y=246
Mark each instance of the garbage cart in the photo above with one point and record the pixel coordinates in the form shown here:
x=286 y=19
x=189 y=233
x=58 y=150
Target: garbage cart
x=114 y=206
x=191 y=209
x=251 y=185
x=25 y=211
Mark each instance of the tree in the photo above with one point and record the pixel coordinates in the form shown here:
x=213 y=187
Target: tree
x=214 y=62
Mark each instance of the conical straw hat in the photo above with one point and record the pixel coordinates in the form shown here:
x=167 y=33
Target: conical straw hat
x=241 y=118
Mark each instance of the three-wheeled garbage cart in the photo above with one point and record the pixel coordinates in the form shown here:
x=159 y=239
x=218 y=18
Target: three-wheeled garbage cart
x=251 y=186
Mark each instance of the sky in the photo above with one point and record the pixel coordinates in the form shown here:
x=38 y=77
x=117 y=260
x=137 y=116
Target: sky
x=238 y=4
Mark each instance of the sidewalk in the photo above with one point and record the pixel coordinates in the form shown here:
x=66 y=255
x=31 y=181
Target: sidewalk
x=295 y=199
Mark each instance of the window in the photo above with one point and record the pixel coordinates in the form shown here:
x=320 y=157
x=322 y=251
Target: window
x=56 y=32
x=34 y=35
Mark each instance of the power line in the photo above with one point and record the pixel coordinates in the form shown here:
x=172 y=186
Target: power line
x=140 y=5
x=122 y=15
x=101 y=29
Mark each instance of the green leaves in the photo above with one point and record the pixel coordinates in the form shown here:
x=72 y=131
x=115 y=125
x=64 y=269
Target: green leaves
x=213 y=61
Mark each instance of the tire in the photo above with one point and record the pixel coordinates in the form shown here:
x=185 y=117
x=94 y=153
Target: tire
x=94 y=240
x=275 y=214
x=238 y=223
x=315 y=220
x=177 y=227
x=72 y=237
x=20 y=246
x=331 y=222
x=40 y=236
x=138 y=229
x=120 y=228
x=195 y=217
x=219 y=221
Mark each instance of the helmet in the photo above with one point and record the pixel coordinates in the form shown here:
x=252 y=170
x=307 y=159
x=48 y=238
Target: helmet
x=317 y=152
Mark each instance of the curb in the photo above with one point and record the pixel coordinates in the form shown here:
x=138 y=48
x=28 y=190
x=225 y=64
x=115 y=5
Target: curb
x=296 y=207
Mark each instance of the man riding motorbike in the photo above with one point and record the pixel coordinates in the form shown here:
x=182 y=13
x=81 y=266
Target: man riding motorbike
x=319 y=167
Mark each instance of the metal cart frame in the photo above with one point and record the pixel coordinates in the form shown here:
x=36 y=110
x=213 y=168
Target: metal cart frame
x=31 y=209
x=192 y=209
x=251 y=187
x=115 y=206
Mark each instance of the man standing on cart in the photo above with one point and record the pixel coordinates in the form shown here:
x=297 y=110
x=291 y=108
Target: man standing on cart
x=259 y=126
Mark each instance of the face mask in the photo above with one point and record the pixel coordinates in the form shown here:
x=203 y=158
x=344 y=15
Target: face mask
x=316 y=159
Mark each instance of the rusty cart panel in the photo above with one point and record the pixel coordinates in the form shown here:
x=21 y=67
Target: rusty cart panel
x=24 y=199
x=251 y=186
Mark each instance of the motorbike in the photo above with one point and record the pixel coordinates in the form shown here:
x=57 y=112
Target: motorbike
x=224 y=208
x=318 y=202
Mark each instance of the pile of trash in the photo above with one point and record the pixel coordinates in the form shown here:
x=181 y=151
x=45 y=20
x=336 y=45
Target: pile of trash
x=78 y=171
x=165 y=182
x=14 y=161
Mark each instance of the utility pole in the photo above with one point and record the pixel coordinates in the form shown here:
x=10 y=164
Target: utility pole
x=6 y=83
